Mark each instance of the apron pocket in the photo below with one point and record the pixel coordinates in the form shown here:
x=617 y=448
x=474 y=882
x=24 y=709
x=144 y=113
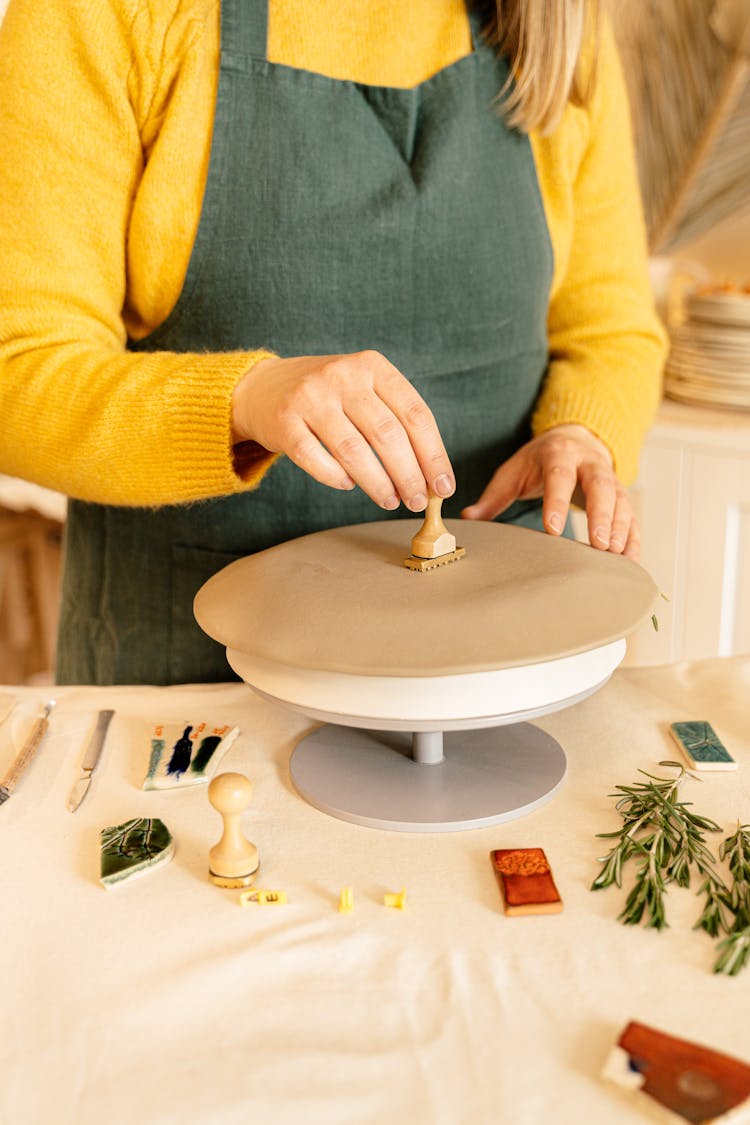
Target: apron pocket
x=193 y=656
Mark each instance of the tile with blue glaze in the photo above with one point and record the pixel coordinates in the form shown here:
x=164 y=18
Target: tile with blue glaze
x=186 y=753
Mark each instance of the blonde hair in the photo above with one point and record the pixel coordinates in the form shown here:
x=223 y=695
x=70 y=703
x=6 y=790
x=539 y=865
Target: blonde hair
x=551 y=47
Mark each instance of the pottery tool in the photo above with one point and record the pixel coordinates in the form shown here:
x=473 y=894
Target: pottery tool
x=526 y=881
x=90 y=759
x=234 y=860
x=28 y=750
x=433 y=545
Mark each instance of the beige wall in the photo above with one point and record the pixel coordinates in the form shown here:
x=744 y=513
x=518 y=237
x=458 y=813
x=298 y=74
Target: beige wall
x=724 y=251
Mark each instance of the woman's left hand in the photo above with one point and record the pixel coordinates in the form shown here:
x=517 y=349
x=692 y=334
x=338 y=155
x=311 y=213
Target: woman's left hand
x=564 y=463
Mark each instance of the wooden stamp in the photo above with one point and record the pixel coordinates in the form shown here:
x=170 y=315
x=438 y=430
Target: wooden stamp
x=233 y=861
x=433 y=545
x=526 y=881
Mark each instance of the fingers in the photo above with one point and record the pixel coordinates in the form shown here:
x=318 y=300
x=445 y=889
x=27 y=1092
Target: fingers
x=353 y=453
x=426 y=455
x=559 y=479
x=611 y=520
x=377 y=428
x=633 y=544
x=623 y=528
x=626 y=533
x=600 y=489
x=396 y=471
x=381 y=433
x=510 y=482
x=346 y=419
x=355 y=419
x=305 y=450
x=556 y=465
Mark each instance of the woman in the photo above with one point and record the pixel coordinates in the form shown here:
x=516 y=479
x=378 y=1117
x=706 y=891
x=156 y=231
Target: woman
x=233 y=230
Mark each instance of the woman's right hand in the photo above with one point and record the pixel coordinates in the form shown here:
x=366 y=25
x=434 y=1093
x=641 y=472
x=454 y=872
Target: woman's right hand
x=346 y=420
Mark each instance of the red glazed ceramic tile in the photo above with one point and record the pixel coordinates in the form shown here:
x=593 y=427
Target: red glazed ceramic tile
x=684 y=1080
x=526 y=881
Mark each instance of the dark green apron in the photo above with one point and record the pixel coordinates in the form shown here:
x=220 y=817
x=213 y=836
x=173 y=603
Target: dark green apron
x=337 y=217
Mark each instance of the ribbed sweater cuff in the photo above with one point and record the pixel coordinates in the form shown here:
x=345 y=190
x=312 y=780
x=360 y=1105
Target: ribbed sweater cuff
x=575 y=408
x=199 y=414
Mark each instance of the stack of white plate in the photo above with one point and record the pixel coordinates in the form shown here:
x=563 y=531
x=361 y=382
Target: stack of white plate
x=709 y=361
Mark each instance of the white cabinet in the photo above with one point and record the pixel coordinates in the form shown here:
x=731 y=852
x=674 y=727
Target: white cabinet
x=693 y=501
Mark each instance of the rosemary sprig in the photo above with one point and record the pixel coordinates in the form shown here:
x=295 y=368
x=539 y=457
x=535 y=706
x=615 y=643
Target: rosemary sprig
x=670 y=841
x=734 y=949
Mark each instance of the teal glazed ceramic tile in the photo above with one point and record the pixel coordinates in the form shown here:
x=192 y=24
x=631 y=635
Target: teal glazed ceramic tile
x=702 y=746
x=133 y=848
x=186 y=753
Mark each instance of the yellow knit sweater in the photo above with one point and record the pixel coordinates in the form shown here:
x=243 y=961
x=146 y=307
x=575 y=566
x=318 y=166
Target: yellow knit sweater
x=105 y=123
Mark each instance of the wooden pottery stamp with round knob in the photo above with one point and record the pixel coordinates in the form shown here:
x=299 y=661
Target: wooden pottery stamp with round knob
x=233 y=861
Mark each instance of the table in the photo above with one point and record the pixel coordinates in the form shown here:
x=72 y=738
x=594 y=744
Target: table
x=165 y=1001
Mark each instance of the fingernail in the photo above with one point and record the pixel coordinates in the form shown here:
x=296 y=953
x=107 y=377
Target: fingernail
x=445 y=485
x=418 y=503
x=470 y=513
x=391 y=503
x=347 y=483
x=616 y=543
x=600 y=533
x=555 y=522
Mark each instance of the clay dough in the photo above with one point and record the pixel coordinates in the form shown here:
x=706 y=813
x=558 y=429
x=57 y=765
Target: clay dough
x=342 y=601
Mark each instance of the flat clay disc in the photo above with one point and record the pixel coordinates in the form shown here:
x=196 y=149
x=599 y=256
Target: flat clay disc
x=343 y=601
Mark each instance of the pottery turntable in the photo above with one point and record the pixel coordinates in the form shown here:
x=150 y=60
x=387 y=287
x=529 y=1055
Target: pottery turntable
x=425 y=682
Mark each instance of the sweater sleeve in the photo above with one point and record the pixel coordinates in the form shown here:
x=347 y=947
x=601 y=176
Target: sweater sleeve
x=78 y=411
x=606 y=343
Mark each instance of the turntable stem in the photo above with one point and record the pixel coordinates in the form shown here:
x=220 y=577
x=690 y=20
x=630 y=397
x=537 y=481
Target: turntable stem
x=427 y=747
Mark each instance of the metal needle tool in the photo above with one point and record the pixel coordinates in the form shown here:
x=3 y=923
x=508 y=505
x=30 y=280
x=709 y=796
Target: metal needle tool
x=28 y=750
x=90 y=760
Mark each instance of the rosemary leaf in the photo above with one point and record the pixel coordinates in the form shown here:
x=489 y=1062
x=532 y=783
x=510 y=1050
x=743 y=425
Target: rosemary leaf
x=734 y=952
x=734 y=949
x=712 y=918
x=669 y=838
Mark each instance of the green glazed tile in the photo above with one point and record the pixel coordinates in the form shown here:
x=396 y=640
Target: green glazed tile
x=132 y=848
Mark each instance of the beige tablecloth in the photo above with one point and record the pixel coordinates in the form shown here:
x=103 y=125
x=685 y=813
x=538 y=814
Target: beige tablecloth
x=165 y=1001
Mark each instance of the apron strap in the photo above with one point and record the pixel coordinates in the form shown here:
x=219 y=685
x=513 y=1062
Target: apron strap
x=244 y=28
